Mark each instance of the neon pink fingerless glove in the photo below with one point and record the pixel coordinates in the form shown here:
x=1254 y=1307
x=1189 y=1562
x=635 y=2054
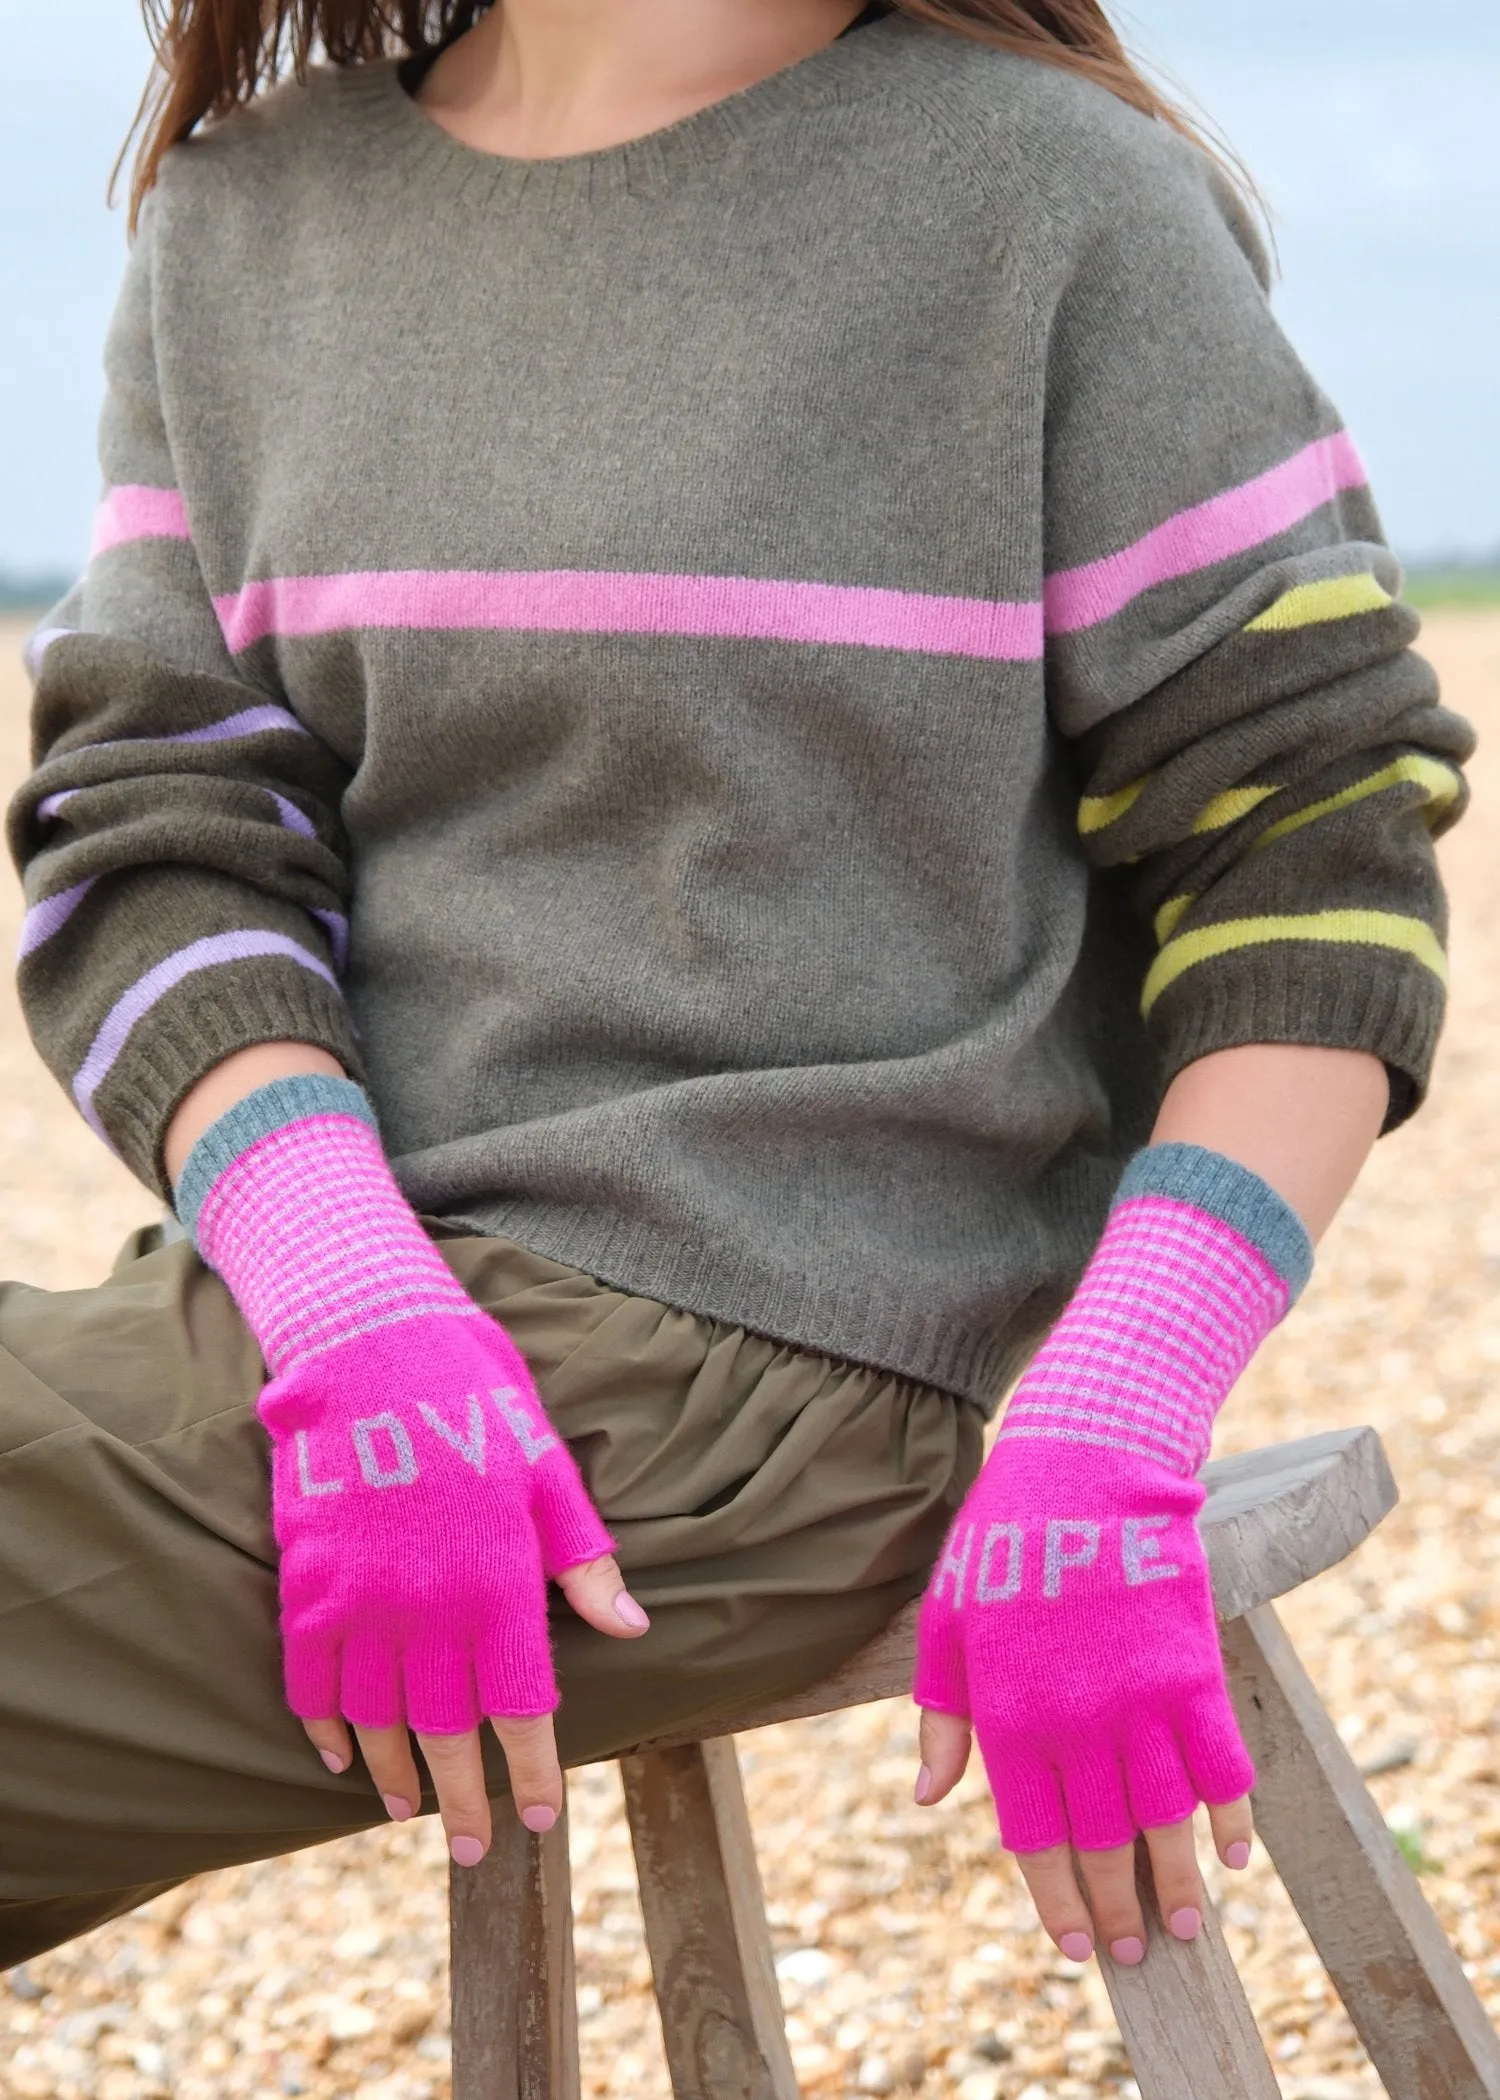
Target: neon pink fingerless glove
x=1071 y=1616
x=420 y=1496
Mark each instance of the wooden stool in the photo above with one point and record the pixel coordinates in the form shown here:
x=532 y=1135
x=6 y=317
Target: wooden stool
x=1272 y=1520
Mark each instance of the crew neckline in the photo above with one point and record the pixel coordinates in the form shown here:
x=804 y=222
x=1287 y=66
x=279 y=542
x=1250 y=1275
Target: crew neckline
x=846 y=69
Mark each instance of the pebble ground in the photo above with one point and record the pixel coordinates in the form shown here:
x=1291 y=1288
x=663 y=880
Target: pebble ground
x=907 y=1959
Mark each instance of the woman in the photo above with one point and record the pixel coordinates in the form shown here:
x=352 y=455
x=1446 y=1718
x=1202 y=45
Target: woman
x=736 y=616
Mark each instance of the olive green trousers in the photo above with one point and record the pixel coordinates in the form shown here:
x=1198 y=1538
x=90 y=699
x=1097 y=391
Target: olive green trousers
x=773 y=1509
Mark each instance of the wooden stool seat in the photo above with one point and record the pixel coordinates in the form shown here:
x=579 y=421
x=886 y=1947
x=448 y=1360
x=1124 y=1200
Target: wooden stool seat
x=1273 y=1519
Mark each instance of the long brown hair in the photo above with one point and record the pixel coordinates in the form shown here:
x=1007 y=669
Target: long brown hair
x=214 y=54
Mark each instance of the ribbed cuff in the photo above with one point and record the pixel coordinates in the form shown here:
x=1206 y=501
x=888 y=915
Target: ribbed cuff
x=270 y=1107
x=1367 y=999
x=197 y=1027
x=1226 y=1190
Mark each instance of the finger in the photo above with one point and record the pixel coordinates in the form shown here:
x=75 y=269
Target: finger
x=1217 y=1760
x=331 y=1741
x=1174 y=1869
x=1093 y=1785
x=1059 y=1901
x=370 y=1682
x=944 y=1740
x=389 y=1761
x=1109 y=1879
x=1233 y=1826
x=1028 y=1799
x=438 y=1679
x=457 y=1769
x=310 y=1666
x=513 y=1663
x=1161 y=1786
x=536 y=1779
x=598 y=1594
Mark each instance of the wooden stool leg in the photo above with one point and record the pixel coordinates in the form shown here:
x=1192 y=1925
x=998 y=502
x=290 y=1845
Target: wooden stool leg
x=1413 y=2007
x=706 y=1924
x=515 y=2015
x=1184 y=2015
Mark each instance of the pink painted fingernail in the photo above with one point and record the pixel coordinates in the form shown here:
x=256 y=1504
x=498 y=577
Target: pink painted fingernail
x=1185 y=1924
x=397 y=1807
x=1129 y=1952
x=331 y=1758
x=1076 y=1945
x=467 y=1852
x=1237 y=1855
x=628 y=1612
x=924 y=1784
x=539 y=1818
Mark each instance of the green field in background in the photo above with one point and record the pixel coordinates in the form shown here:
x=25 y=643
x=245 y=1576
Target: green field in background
x=1443 y=590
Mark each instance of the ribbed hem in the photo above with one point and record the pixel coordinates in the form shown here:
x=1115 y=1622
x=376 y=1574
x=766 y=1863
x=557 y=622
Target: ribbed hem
x=1348 y=998
x=626 y=1255
x=191 y=1031
x=1226 y=1190
x=270 y=1107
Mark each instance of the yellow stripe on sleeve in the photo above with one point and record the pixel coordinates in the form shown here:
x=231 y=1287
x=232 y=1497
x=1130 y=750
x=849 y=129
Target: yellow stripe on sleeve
x=1312 y=604
x=1097 y=812
x=1170 y=917
x=1439 y=783
x=1228 y=808
x=1369 y=929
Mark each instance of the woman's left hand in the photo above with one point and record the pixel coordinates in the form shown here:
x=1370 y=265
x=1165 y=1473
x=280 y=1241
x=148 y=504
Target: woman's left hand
x=1070 y=1624
x=1106 y=1910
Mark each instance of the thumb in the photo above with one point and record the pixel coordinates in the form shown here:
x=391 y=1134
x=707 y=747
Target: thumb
x=944 y=1740
x=941 y=1689
x=569 y=1529
x=942 y=1676
x=597 y=1592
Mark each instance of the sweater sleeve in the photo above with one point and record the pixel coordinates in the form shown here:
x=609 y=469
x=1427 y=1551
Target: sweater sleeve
x=1259 y=749
x=180 y=841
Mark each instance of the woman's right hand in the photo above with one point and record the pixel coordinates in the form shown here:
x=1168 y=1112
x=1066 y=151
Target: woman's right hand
x=420 y=1496
x=597 y=1593
x=421 y=1500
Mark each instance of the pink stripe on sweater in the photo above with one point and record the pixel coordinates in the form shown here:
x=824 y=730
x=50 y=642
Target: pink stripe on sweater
x=589 y=601
x=1209 y=533
x=133 y=513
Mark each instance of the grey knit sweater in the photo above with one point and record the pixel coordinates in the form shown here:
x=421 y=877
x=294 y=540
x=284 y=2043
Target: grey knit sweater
x=764 y=686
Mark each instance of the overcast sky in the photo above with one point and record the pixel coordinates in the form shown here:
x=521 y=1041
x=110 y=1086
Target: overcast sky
x=1373 y=125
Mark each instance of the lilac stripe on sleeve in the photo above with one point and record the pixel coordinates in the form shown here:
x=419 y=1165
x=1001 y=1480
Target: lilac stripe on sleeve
x=250 y=721
x=586 y=601
x=334 y=923
x=336 y=926
x=131 y=513
x=1209 y=533
x=134 y=1004
x=292 y=818
x=41 y=642
x=50 y=916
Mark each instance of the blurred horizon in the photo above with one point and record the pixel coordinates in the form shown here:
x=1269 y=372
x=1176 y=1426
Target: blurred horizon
x=1371 y=128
